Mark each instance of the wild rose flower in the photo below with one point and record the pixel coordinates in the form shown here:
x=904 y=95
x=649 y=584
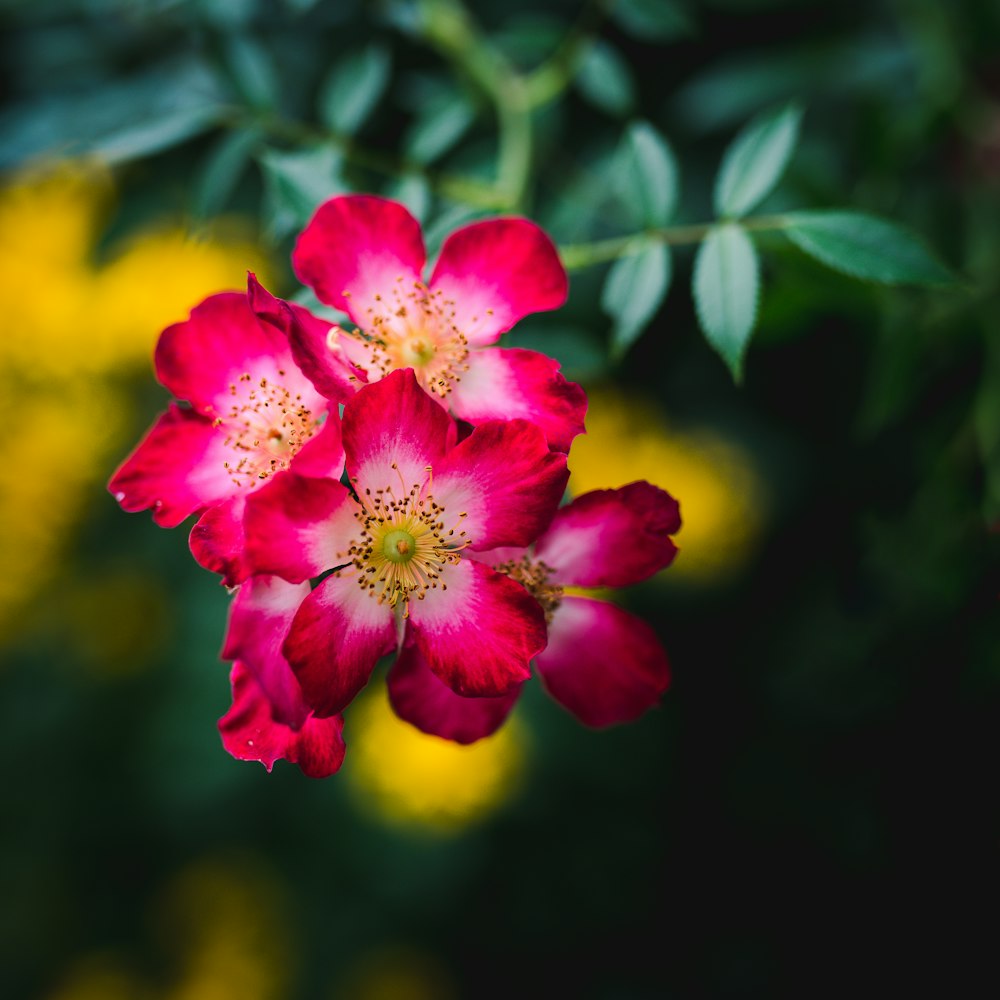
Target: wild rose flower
x=602 y=663
x=399 y=543
x=364 y=256
x=269 y=719
x=252 y=416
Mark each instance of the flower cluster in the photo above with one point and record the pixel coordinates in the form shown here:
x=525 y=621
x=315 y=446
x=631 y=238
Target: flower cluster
x=395 y=489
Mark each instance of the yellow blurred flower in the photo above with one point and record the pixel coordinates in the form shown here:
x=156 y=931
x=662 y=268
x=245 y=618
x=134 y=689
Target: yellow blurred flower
x=398 y=973
x=100 y=977
x=722 y=496
x=73 y=327
x=410 y=778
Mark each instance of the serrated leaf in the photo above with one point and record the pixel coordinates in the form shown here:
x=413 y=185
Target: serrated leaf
x=755 y=160
x=646 y=175
x=865 y=246
x=354 y=87
x=439 y=125
x=633 y=291
x=604 y=78
x=296 y=183
x=726 y=285
x=653 y=20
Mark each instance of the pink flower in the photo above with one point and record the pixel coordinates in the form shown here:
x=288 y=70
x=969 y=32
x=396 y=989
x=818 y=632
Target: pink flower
x=602 y=663
x=269 y=719
x=253 y=415
x=364 y=256
x=399 y=543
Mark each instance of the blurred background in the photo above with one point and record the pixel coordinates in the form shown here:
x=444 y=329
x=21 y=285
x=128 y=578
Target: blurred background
x=813 y=809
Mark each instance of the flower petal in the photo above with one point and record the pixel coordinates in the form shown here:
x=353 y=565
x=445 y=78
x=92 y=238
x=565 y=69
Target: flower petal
x=480 y=632
x=322 y=456
x=392 y=431
x=419 y=698
x=297 y=527
x=611 y=538
x=496 y=272
x=316 y=344
x=503 y=383
x=505 y=479
x=249 y=732
x=217 y=541
x=355 y=248
x=338 y=634
x=177 y=469
x=602 y=663
x=204 y=357
x=259 y=618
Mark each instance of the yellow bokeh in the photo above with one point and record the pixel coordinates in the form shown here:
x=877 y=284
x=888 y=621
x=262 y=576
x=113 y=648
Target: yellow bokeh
x=74 y=327
x=722 y=496
x=409 y=778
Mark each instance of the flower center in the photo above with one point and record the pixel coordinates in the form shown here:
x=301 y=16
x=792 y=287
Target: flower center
x=266 y=426
x=405 y=543
x=412 y=326
x=534 y=577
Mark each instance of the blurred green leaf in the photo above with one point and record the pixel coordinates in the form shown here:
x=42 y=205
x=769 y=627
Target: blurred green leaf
x=221 y=172
x=253 y=71
x=154 y=136
x=414 y=192
x=653 y=20
x=634 y=290
x=605 y=79
x=439 y=124
x=354 y=87
x=296 y=183
x=646 y=175
x=865 y=246
x=755 y=160
x=726 y=285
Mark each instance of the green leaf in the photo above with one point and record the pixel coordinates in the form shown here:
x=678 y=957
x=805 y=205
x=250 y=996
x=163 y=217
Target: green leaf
x=755 y=161
x=439 y=125
x=646 y=175
x=155 y=135
x=414 y=192
x=253 y=70
x=604 y=78
x=653 y=20
x=865 y=246
x=726 y=284
x=296 y=183
x=221 y=172
x=634 y=290
x=354 y=87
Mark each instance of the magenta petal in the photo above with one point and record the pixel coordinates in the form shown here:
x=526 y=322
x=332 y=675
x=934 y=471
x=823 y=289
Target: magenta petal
x=392 y=431
x=318 y=354
x=249 y=732
x=480 y=633
x=322 y=456
x=259 y=618
x=201 y=357
x=496 y=272
x=217 y=541
x=421 y=699
x=505 y=480
x=602 y=663
x=356 y=247
x=177 y=469
x=611 y=538
x=337 y=636
x=298 y=527
x=504 y=383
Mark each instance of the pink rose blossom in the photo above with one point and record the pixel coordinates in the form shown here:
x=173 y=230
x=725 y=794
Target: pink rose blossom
x=601 y=663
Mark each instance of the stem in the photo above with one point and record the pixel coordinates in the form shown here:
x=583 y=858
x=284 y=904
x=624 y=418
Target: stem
x=576 y=256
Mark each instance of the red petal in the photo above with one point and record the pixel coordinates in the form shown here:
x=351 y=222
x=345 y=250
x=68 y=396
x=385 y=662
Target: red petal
x=601 y=663
x=480 y=633
x=419 y=698
x=611 y=538
x=496 y=272
x=217 y=541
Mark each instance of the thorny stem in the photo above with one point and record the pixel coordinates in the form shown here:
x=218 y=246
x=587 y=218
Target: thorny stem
x=576 y=256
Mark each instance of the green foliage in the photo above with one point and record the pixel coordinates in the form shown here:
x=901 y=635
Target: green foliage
x=605 y=79
x=645 y=171
x=653 y=20
x=296 y=183
x=864 y=246
x=754 y=162
x=633 y=292
x=354 y=87
x=726 y=286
